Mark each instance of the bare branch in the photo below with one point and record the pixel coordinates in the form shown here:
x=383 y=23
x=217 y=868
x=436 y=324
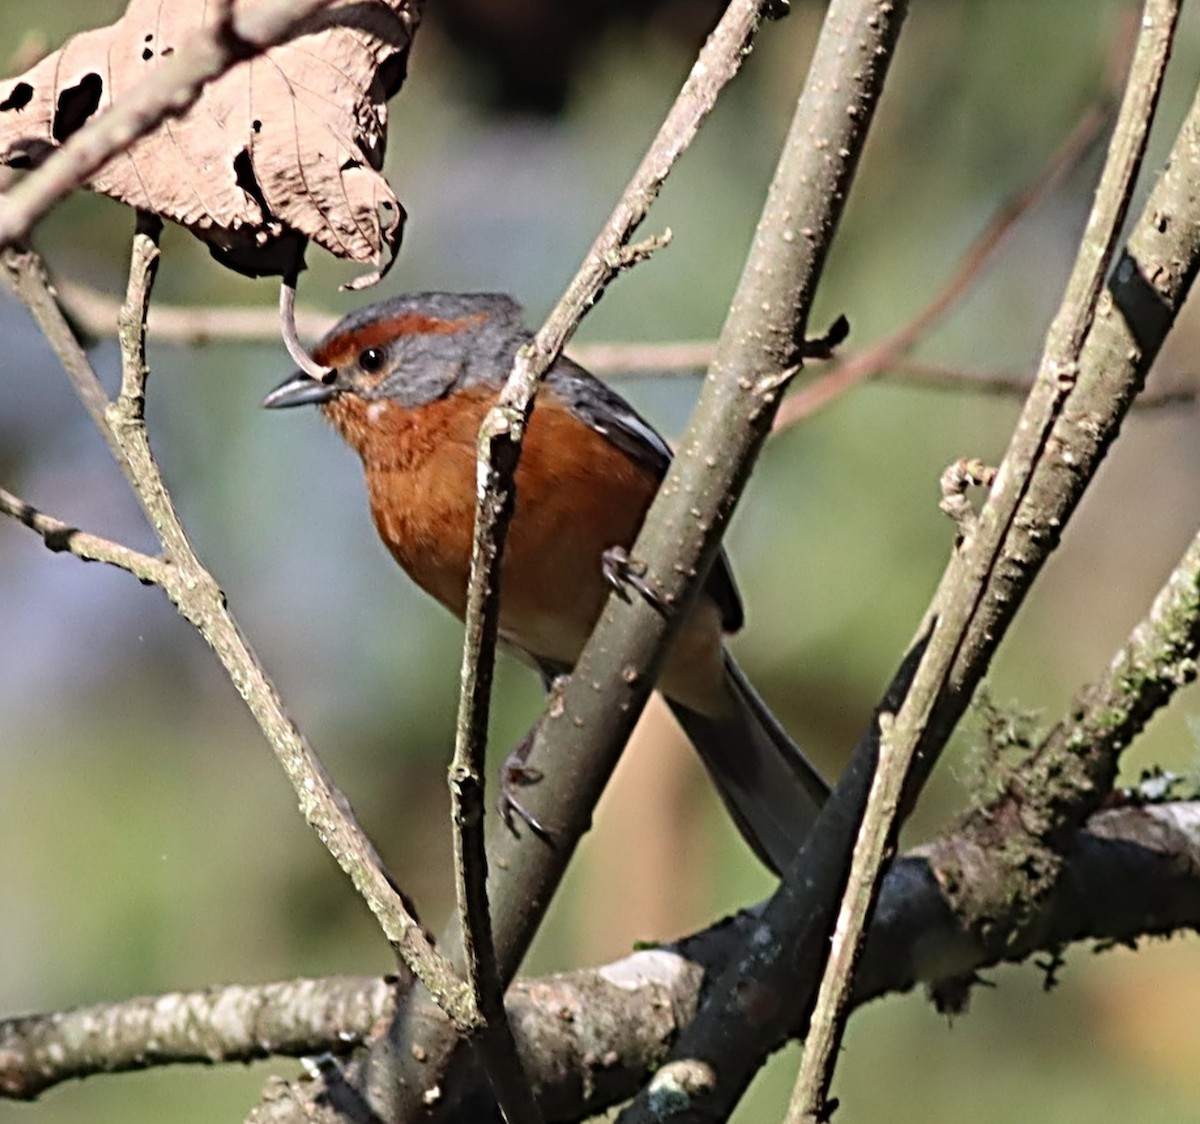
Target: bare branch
x=198 y=598
x=901 y=737
x=591 y=1037
x=1044 y=796
x=169 y=91
x=219 y=1024
x=1034 y=495
x=198 y=325
x=872 y=846
x=491 y=965
x=59 y=536
x=760 y=345
x=192 y=325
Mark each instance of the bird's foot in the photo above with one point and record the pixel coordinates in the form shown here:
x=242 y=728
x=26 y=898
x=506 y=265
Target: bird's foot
x=515 y=774
x=623 y=574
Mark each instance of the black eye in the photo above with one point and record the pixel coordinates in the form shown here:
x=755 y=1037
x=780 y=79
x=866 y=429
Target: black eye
x=372 y=359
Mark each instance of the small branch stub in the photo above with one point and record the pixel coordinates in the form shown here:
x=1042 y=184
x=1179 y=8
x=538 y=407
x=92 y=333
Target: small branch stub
x=964 y=473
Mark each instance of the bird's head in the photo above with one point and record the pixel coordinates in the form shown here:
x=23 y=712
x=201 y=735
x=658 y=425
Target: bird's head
x=411 y=350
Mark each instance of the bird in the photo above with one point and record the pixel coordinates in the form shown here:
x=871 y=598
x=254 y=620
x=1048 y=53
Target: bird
x=406 y=384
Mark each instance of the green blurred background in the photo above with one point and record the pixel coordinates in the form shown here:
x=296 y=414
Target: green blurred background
x=147 y=840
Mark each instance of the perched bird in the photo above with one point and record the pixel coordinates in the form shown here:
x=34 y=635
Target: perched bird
x=408 y=383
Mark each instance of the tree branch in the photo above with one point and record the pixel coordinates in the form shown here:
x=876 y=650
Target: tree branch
x=171 y=90
x=1047 y=793
x=901 y=735
x=524 y=884
x=591 y=1037
x=199 y=600
x=95 y=313
x=59 y=537
x=499 y=448
x=1071 y=419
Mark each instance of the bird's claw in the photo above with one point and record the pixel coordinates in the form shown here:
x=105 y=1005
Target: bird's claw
x=623 y=574
x=515 y=774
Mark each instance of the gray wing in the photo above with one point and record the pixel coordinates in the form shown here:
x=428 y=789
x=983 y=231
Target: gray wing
x=602 y=408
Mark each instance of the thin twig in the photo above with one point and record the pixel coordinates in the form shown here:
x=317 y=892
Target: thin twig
x=494 y=1041
x=1056 y=376
x=60 y=536
x=172 y=89
x=192 y=325
x=198 y=598
x=1182 y=388
x=527 y=874
x=197 y=325
x=808 y=1104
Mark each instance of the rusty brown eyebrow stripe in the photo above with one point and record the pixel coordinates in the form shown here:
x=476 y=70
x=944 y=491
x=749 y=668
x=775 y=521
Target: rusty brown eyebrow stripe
x=339 y=349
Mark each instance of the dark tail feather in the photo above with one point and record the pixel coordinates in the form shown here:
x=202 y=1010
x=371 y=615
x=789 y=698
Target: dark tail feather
x=767 y=784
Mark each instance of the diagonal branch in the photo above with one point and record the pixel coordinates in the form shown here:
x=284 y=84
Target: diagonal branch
x=499 y=449
x=169 y=91
x=901 y=735
x=198 y=599
x=1079 y=409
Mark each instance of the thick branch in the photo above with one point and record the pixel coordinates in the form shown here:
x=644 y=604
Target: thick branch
x=218 y=1024
x=1047 y=794
x=1066 y=427
x=491 y=963
x=591 y=1037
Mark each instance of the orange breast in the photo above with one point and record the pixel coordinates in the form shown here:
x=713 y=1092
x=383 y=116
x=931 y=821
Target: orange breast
x=577 y=496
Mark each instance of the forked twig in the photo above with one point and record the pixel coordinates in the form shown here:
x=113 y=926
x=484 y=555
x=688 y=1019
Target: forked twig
x=197 y=597
x=901 y=736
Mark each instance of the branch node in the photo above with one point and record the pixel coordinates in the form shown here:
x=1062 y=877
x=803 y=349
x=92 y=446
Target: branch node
x=823 y=347
x=964 y=473
x=626 y=257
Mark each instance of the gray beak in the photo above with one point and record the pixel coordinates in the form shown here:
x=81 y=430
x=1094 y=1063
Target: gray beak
x=299 y=389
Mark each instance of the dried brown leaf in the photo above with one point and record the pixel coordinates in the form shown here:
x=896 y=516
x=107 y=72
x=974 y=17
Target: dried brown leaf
x=285 y=146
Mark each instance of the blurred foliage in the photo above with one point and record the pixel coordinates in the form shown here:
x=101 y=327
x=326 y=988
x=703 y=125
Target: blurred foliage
x=147 y=840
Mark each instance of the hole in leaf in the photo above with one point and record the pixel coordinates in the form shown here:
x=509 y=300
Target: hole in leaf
x=19 y=97
x=75 y=105
x=243 y=170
